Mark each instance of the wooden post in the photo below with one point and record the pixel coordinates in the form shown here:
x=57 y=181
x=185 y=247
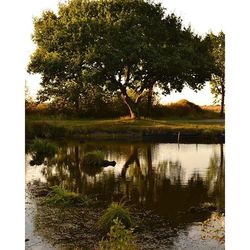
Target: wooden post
x=178 y=138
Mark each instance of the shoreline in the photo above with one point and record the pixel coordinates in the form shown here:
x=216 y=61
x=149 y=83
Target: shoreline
x=173 y=131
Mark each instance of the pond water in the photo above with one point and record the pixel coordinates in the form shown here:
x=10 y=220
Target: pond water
x=163 y=177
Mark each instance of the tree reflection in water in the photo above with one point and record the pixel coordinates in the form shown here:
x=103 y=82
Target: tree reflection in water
x=216 y=178
x=160 y=186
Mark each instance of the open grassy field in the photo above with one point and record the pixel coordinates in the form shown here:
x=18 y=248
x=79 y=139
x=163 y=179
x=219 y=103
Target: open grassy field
x=122 y=128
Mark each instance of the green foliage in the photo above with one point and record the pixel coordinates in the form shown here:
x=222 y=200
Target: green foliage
x=214 y=227
x=217 y=82
x=115 y=211
x=119 y=238
x=118 y=45
x=180 y=109
x=94 y=158
x=60 y=196
x=184 y=107
x=29 y=102
x=44 y=130
x=43 y=147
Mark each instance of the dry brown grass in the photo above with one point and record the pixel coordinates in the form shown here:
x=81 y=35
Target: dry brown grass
x=213 y=108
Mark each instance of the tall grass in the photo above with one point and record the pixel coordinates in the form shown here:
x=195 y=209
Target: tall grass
x=43 y=147
x=94 y=158
x=60 y=196
x=114 y=211
x=43 y=129
x=118 y=238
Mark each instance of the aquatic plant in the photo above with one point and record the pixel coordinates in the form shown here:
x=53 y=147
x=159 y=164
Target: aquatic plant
x=114 y=211
x=214 y=227
x=43 y=147
x=60 y=196
x=94 y=158
x=118 y=238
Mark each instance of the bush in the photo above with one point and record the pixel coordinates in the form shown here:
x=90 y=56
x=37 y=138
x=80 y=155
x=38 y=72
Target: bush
x=43 y=147
x=95 y=158
x=115 y=211
x=60 y=196
x=182 y=108
x=118 y=238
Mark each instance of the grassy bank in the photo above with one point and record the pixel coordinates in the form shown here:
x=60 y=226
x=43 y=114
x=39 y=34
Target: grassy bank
x=144 y=129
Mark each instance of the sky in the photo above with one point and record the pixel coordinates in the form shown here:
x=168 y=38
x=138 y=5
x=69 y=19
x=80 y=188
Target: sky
x=201 y=15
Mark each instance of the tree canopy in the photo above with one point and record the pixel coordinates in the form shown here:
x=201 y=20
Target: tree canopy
x=123 y=46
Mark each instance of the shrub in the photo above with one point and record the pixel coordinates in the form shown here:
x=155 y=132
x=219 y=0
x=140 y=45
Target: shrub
x=60 y=196
x=115 y=210
x=180 y=109
x=118 y=238
x=43 y=129
x=94 y=158
x=43 y=147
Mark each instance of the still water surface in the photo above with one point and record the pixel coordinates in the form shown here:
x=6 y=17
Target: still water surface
x=166 y=178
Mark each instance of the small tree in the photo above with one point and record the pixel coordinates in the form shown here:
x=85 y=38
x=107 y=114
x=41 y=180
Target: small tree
x=217 y=82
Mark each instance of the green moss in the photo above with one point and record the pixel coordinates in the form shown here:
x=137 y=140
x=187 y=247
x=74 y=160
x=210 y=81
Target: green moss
x=115 y=211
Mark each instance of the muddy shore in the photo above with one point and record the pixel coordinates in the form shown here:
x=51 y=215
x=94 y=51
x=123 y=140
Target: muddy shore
x=74 y=227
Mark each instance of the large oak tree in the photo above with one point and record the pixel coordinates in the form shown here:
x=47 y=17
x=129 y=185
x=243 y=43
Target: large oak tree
x=124 y=46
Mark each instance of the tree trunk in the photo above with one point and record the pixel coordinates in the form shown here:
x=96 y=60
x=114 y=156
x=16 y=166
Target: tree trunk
x=222 y=101
x=77 y=105
x=150 y=97
x=132 y=106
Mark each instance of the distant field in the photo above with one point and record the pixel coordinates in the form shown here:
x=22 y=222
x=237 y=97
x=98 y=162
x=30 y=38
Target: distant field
x=214 y=108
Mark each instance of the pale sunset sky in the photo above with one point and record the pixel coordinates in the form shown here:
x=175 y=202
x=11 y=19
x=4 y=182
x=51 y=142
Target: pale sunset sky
x=201 y=15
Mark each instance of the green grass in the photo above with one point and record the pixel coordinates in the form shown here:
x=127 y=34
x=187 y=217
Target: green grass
x=55 y=128
x=61 y=197
x=118 y=238
x=43 y=147
x=114 y=211
x=94 y=158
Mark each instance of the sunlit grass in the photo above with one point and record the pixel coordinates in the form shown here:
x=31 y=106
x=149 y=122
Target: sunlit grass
x=60 y=196
x=62 y=128
x=114 y=211
x=118 y=238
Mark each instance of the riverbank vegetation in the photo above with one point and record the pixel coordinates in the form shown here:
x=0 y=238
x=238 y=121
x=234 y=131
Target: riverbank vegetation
x=95 y=159
x=119 y=238
x=114 y=211
x=168 y=130
x=59 y=196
